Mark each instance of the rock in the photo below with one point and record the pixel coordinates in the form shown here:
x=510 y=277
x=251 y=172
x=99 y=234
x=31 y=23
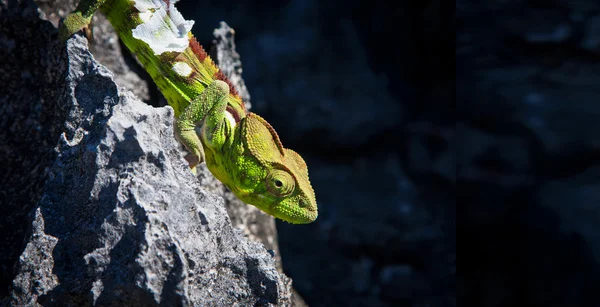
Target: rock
x=122 y=220
x=36 y=265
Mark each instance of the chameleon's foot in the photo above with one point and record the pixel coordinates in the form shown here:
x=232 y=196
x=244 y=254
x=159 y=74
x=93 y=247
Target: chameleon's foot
x=74 y=23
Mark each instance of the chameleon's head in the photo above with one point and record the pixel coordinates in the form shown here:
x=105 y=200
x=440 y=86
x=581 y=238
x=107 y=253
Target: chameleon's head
x=277 y=177
x=288 y=192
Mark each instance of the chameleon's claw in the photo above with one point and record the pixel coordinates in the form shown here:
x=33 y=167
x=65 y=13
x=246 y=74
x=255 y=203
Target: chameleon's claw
x=89 y=32
x=74 y=23
x=193 y=160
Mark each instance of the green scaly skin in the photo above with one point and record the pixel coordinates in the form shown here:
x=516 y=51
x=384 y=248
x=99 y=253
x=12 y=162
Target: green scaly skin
x=240 y=148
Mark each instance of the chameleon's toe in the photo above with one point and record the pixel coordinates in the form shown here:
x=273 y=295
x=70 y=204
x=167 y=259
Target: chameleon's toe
x=74 y=23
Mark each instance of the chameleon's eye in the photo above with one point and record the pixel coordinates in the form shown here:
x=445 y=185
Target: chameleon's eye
x=280 y=183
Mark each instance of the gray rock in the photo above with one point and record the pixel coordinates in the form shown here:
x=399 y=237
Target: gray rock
x=36 y=265
x=123 y=221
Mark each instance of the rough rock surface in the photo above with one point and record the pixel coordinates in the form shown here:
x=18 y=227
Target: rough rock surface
x=117 y=224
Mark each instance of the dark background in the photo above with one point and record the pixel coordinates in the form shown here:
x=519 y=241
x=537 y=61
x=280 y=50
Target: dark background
x=364 y=91
x=527 y=86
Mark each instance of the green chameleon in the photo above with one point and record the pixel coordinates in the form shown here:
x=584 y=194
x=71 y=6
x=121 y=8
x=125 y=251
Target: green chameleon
x=240 y=148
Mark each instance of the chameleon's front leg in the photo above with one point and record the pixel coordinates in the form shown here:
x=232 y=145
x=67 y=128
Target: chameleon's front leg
x=207 y=108
x=79 y=19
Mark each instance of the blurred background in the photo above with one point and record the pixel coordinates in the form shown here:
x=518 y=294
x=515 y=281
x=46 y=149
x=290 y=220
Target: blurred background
x=364 y=91
x=528 y=133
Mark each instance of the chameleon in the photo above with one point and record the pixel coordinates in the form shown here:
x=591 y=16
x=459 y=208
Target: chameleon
x=240 y=148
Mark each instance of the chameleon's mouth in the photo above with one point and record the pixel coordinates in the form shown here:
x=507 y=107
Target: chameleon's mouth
x=304 y=219
x=297 y=214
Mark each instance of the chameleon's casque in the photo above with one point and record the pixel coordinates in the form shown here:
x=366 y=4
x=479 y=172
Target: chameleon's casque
x=240 y=148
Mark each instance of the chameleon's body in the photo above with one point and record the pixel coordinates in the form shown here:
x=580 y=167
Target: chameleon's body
x=240 y=148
